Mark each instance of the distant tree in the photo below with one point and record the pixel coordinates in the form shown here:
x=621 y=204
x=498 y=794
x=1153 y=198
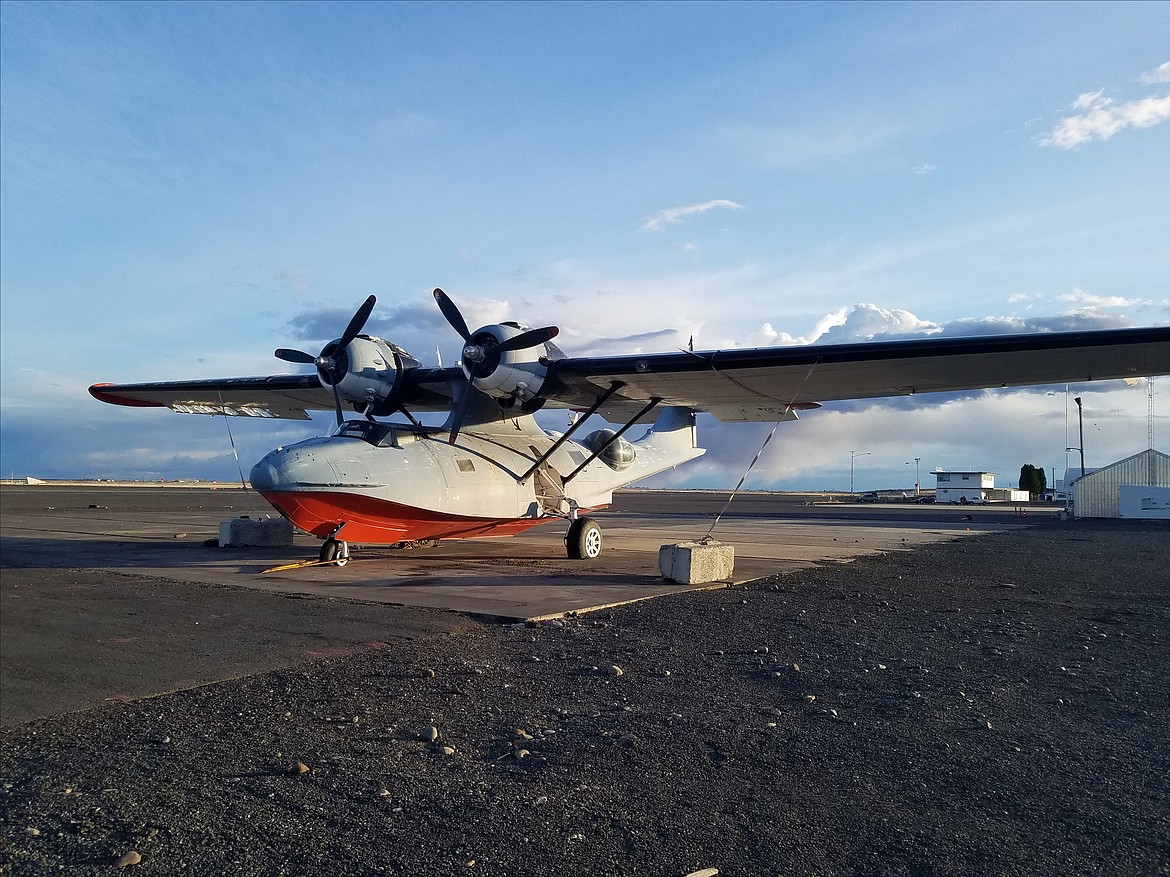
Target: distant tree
x=1028 y=479
x=1033 y=480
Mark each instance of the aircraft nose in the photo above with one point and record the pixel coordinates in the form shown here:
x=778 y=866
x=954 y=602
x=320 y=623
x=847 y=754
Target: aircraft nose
x=311 y=463
x=264 y=475
x=288 y=466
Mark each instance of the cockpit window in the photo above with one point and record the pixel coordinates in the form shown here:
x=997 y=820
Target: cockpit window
x=380 y=435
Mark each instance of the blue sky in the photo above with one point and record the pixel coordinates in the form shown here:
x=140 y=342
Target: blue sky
x=185 y=187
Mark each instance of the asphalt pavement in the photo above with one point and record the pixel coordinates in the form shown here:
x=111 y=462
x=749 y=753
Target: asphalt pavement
x=111 y=593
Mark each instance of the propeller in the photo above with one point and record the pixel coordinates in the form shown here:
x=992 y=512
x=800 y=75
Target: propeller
x=482 y=352
x=332 y=362
x=452 y=314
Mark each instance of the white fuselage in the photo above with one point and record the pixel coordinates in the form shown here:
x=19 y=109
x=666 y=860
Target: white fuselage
x=386 y=483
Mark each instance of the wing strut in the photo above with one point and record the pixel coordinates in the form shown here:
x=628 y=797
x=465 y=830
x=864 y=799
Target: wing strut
x=613 y=438
x=759 y=453
x=232 y=439
x=601 y=400
x=742 y=479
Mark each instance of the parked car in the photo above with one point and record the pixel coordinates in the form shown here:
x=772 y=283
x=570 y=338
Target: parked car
x=871 y=496
x=925 y=499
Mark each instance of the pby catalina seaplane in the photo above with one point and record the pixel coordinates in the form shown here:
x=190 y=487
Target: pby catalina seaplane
x=491 y=470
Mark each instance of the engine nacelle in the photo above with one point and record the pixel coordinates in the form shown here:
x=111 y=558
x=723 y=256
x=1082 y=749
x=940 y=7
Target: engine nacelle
x=511 y=377
x=373 y=368
x=616 y=452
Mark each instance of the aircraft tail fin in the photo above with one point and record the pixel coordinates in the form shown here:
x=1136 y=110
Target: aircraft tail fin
x=673 y=431
x=672 y=440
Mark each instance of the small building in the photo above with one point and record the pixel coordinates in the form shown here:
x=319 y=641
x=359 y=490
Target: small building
x=1061 y=488
x=964 y=487
x=1007 y=494
x=1136 y=487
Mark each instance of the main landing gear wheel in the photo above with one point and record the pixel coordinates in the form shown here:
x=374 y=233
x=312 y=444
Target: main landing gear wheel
x=583 y=540
x=335 y=552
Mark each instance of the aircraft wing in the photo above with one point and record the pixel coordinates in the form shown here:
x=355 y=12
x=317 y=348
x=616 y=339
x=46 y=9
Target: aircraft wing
x=762 y=383
x=284 y=396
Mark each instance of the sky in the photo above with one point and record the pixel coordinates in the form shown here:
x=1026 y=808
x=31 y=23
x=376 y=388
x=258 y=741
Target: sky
x=185 y=187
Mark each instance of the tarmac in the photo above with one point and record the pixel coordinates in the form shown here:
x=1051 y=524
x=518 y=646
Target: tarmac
x=112 y=592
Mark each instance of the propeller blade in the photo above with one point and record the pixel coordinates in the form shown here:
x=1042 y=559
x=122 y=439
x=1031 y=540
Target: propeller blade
x=356 y=324
x=337 y=404
x=452 y=314
x=460 y=413
x=531 y=338
x=295 y=356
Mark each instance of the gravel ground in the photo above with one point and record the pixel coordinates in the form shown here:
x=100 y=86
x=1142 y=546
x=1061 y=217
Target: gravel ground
x=996 y=705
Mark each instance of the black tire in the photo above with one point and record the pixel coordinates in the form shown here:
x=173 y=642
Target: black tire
x=334 y=552
x=583 y=541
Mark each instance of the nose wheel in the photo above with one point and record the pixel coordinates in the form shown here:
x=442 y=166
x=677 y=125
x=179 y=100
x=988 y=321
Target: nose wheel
x=583 y=541
x=335 y=552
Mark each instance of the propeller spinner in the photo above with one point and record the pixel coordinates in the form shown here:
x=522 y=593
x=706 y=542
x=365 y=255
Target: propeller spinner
x=483 y=351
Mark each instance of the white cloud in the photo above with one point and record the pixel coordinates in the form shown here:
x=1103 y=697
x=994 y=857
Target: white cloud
x=1076 y=320
x=1100 y=117
x=865 y=322
x=673 y=215
x=1161 y=73
x=1079 y=296
x=925 y=168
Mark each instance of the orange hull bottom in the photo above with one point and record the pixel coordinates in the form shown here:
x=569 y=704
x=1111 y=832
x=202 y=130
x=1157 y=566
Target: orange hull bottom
x=383 y=522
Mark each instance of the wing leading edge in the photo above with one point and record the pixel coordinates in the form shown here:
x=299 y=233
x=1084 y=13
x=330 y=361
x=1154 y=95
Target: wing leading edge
x=750 y=384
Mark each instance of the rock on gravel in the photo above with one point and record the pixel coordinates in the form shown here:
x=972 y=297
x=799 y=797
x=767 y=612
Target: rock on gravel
x=131 y=858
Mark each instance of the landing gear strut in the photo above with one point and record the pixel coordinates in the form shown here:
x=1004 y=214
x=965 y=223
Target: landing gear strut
x=335 y=552
x=583 y=541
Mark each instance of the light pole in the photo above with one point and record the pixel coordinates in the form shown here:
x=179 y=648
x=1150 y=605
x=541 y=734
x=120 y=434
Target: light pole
x=1081 y=423
x=853 y=455
x=917 y=460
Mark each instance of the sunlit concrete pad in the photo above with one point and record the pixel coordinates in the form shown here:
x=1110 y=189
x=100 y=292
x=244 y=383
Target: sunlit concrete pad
x=503 y=579
x=528 y=577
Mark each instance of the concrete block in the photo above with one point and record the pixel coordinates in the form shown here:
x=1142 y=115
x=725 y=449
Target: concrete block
x=693 y=563
x=246 y=533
